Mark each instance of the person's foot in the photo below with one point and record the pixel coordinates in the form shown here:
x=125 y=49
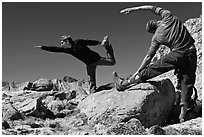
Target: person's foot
x=105 y=41
x=118 y=82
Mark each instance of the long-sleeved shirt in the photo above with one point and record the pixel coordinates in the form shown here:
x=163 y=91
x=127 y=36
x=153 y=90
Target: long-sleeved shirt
x=79 y=50
x=171 y=31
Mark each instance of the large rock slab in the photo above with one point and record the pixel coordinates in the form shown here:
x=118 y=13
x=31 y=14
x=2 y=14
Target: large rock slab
x=149 y=102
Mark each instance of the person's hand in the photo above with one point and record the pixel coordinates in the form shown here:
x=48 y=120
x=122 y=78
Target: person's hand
x=39 y=47
x=126 y=11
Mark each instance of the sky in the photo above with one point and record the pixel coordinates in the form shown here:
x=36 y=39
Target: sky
x=27 y=24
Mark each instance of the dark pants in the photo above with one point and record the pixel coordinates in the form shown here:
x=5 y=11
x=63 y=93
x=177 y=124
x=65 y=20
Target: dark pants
x=185 y=61
x=91 y=69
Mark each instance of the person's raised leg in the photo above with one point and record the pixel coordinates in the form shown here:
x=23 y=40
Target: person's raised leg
x=110 y=59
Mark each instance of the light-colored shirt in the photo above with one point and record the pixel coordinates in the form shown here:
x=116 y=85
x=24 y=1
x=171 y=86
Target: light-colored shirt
x=171 y=31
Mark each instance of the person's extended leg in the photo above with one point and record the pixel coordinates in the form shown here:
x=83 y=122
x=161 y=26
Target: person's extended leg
x=122 y=84
x=91 y=72
x=162 y=65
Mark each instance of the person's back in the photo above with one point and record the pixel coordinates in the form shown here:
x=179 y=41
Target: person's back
x=82 y=52
x=171 y=31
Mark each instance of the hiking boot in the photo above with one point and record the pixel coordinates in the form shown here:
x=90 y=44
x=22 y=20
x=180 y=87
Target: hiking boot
x=119 y=82
x=105 y=42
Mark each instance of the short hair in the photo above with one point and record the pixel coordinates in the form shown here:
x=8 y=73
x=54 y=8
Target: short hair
x=64 y=37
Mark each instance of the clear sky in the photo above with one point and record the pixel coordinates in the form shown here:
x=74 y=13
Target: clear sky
x=25 y=25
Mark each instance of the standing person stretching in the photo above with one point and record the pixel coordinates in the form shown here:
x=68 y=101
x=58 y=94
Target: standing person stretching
x=168 y=31
x=79 y=49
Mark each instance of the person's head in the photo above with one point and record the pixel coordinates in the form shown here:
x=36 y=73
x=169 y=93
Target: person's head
x=151 y=26
x=64 y=40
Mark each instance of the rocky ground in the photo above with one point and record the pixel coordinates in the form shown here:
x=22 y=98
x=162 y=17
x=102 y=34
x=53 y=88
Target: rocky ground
x=64 y=107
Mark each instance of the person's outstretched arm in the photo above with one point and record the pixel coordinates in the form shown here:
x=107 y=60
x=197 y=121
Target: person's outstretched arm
x=154 y=9
x=53 y=49
x=128 y=10
x=147 y=59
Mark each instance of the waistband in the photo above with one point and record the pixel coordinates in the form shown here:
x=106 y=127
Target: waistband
x=190 y=47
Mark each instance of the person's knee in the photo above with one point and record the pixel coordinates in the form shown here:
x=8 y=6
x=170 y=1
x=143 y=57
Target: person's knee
x=112 y=62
